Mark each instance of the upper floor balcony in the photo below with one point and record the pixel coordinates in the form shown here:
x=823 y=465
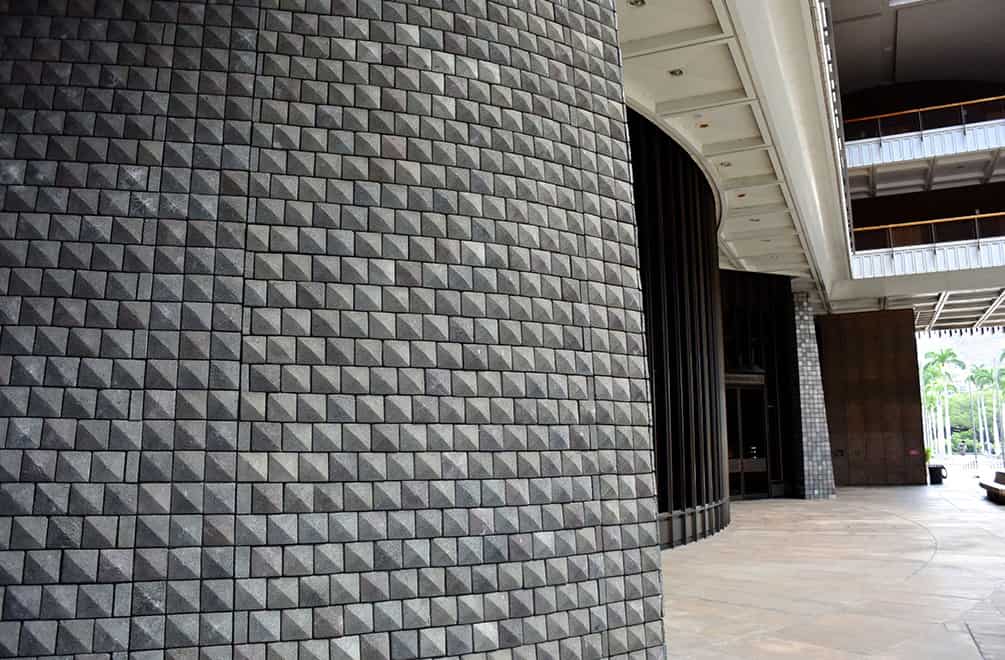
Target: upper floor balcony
x=924 y=133
x=930 y=246
x=928 y=189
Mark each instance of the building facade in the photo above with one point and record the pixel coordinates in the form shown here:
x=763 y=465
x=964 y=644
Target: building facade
x=336 y=329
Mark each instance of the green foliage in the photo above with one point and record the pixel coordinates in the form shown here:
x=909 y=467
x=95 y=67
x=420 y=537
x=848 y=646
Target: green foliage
x=946 y=381
x=942 y=360
x=980 y=376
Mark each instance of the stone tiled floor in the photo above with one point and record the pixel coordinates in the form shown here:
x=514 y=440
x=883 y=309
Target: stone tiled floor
x=915 y=572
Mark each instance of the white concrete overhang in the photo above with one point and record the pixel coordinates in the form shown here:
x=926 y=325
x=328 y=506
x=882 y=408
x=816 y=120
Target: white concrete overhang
x=950 y=300
x=956 y=256
x=748 y=88
x=744 y=86
x=964 y=276
x=914 y=162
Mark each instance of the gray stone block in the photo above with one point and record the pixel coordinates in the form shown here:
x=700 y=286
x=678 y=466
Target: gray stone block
x=331 y=332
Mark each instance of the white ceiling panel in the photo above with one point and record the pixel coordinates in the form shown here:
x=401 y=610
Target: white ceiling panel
x=706 y=70
x=687 y=17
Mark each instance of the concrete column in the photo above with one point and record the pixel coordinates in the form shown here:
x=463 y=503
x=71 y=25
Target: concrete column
x=818 y=471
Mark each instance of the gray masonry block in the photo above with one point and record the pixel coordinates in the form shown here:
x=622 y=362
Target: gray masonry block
x=818 y=468
x=320 y=333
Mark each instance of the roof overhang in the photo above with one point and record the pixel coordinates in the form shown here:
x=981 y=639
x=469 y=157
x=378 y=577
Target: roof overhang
x=744 y=86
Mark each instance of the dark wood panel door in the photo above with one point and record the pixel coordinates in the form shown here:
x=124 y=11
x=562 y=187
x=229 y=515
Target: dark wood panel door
x=869 y=364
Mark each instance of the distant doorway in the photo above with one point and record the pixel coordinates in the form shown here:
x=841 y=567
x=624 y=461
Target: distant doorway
x=747 y=434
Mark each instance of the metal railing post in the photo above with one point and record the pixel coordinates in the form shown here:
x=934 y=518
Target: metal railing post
x=961 y=107
x=931 y=226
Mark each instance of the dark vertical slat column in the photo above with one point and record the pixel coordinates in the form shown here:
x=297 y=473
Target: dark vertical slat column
x=675 y=211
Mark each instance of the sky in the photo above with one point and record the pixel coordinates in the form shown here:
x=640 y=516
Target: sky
x=973 y=348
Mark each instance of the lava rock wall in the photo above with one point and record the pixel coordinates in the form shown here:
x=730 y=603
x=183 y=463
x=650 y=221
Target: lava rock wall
x=321 y=333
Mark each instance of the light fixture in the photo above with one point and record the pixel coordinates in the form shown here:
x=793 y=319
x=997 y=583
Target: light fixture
x=703 y=124
x=725 y=163
x=755 y=219
x=741 y=195
x=636 y=3
x=676 y=73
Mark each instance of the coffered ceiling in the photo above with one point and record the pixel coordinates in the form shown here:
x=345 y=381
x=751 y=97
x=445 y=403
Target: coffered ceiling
x=943 y=310
x=971 y=168
x=686 y=68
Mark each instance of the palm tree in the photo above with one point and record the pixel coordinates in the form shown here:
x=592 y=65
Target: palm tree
x=997 y=418
x=974 y=433
x=930 y=392
x=981 y=378
x=937 y=366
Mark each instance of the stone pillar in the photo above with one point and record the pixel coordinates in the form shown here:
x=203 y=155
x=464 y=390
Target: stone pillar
x=320 y=333
x=818 y=470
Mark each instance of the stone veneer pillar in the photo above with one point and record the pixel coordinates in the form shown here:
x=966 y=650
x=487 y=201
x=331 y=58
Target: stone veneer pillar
x=321 y=333
x=818 y=469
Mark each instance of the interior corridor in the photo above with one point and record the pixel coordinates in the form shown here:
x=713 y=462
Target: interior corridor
x=895 y=572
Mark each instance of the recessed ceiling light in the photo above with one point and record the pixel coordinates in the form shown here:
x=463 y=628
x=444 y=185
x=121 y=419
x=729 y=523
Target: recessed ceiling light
x=725 y=163
x=703 y=124
x=636 y=3
x=741 y=195
x=676 y=73
x=755 y=219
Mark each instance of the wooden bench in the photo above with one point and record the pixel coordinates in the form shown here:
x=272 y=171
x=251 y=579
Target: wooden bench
x=996 y=488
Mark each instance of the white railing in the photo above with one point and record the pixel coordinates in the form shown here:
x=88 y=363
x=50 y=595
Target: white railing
x=932 y=258
x=923 y=133
x=970 y=465
x=922 y=145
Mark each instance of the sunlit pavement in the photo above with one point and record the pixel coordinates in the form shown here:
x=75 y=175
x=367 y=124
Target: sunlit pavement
x=895 y=572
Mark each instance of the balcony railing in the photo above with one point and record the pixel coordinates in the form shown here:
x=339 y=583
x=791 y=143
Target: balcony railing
x=925 y=232
x=927 y=118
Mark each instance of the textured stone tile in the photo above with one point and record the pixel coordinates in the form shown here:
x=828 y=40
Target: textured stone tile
x=818 y=469
x=320 y=333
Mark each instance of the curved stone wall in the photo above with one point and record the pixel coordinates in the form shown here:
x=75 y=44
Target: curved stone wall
x=680 y=269
x=320 y=333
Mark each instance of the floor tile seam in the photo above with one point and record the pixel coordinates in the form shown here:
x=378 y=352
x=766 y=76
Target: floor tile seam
x=935 y=540
x=973 y=638
x=761 y=607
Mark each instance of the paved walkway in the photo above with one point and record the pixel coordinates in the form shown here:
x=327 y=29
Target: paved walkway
x=912 y=572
